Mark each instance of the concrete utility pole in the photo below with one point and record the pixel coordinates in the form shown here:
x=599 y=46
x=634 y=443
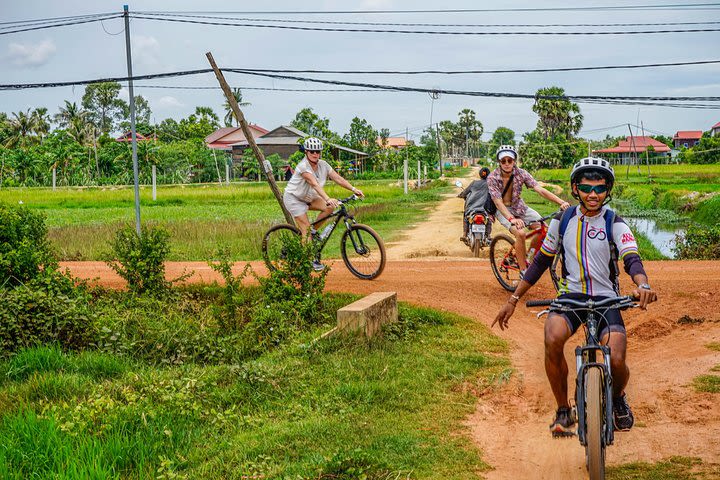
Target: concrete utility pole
x=405 y=163
x=136 y=175
x=265 y=166
x=437 y=134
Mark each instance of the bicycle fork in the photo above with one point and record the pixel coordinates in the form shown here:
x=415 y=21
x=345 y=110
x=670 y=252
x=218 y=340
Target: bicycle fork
x=585 y=360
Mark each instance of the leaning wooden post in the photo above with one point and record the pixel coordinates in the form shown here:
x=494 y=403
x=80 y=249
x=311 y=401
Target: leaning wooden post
x=264 y=165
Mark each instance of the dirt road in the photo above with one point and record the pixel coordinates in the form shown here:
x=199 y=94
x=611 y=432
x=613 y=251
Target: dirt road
x=667 y=349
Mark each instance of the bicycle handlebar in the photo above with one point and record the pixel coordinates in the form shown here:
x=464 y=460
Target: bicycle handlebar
x=565 y=304
x=351 y=198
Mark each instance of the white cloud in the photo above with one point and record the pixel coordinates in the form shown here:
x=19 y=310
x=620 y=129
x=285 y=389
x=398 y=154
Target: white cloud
x=31 y=55
x=169 y=102
x=146 y=50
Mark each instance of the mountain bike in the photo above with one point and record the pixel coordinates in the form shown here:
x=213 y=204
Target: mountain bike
x=593 y=385
x=504 y=261
x=362 y=249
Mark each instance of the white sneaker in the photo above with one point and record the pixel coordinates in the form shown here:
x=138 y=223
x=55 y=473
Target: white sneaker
x=317 y=266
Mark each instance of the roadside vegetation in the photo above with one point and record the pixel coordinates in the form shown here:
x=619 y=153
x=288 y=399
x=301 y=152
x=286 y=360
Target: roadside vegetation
x=224 y=381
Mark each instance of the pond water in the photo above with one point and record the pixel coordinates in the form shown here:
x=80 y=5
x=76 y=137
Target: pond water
x=661 y=235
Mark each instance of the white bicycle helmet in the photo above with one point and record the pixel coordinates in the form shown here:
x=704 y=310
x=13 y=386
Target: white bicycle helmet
x=312 y=143
x=596 y=164
x=506 y=150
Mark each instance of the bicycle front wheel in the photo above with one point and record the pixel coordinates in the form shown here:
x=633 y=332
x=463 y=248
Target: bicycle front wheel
x=594 y=423
x=273 y=244
x=504 y=263
x=363 y=252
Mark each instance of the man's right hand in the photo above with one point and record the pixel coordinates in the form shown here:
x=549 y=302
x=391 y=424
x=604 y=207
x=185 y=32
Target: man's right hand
x=518 y=223
x=503 y=316
x=332 y=202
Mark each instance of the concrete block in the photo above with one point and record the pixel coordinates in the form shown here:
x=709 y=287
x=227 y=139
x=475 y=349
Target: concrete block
x=368 y=314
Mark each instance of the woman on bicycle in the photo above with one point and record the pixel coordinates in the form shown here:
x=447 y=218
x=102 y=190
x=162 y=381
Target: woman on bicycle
x=588 y=251
x=505 y=184
x=305 y=189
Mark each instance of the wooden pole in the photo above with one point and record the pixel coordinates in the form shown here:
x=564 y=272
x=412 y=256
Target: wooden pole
x=264 y=167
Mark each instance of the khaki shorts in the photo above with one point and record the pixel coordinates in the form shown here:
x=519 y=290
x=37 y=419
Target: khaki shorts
x=530 y=216
x=295 y=205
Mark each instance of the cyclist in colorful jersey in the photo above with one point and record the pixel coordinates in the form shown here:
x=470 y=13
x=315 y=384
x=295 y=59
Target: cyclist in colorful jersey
x=505 y=185
x=305 y=189
x=589 y=271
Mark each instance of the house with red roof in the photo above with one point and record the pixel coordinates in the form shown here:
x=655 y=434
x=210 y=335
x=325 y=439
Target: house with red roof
x=715 y=130
x=632 y=147
x=224 y=138
x=687 y=138
x=127 y=137
x=396 y=143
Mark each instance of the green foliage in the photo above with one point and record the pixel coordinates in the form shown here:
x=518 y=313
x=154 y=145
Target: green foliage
x=25 y=252
x=699 y=242
x=558 y=116
x=103 y=104
x=707 y=383
x=310 y=123
x=673 y=468
x=139 y=260
x=234 y=312
x=705 y=152
x=45 y=311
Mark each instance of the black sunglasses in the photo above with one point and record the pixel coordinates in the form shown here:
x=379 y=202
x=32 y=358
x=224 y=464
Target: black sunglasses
x=313 y=151
x=599 y=189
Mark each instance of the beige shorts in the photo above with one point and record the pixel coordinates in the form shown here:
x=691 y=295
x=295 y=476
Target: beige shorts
x=295 y=205
x=530 y=216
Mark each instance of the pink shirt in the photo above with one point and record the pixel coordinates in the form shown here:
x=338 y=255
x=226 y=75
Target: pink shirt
x=495 y=186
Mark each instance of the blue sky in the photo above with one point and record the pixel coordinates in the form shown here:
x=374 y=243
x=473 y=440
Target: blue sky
x=98 y=50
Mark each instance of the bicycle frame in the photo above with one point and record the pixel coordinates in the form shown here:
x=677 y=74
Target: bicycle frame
x=341 y=214
x=537 y=236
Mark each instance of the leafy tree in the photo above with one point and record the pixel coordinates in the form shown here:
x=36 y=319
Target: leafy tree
x=706 y=151
x=558 y=116
x=22 y=130
x=229 y=117
x=469 y=125
x=142 y=114
x=309 y=122
x=168 y=130
x=384 y=134
x=4 y=128
x=102 y=102
x=41 y=122
x=501 y=136
x=362 y=136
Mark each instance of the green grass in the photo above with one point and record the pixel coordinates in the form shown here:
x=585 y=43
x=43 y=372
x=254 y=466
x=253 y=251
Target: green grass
x=707 y=383
x=674 y=468
x=202 y=218
x=714 y=346
x=337 y=408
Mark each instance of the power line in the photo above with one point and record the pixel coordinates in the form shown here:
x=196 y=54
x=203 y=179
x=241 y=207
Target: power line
x=65 y=24
x=464 y=72
x=54 y=19
x=191 y=87
x=477 y=25
x=676 y=6
x=425 y=32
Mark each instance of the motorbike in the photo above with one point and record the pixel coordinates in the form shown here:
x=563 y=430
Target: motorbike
x=477 y=226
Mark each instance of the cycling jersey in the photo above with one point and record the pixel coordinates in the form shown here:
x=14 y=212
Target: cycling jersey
x=586 y=254
x=301 y=189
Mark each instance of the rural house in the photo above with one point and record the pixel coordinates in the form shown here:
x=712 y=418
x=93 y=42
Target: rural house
x=629 y=149
x=687 y=138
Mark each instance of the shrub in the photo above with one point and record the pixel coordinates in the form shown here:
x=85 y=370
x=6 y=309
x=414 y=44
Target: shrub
x=699 y=242
x=140 y=259
x=234 y=310
x=36 y=314
x=25 y=251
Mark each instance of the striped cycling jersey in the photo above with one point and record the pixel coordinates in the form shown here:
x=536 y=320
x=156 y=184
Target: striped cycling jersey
x=586 y=252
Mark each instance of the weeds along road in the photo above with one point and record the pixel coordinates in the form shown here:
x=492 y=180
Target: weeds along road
x=667 y=349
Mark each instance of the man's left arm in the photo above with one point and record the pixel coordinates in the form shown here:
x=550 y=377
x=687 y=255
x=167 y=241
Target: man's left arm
x=628 y=250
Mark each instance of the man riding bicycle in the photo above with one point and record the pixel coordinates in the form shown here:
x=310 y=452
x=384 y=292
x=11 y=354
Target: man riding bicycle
x=588 y=251
x=305 y=189
x=505 y=186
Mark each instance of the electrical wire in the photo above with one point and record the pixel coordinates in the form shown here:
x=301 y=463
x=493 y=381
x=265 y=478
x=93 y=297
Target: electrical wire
x=77 y=22
x=54 y=19
x=448 y=25
x=425 y=32
x=675 y=6
x=191 y=87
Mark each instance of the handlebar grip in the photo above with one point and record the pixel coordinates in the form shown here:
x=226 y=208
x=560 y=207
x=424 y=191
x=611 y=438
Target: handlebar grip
x=538 y=303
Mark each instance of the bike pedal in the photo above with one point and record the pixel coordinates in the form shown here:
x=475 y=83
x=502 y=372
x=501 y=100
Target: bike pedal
x=562 y=434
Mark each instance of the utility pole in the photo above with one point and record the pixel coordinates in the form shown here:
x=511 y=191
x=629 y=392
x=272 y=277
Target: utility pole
x=437 y=137
x=405 y=164
x=133 y=133
x=265 y=166
x=632 y=143
x=647 y=154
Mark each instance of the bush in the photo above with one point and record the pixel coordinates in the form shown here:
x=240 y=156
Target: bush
x=140 y=259
x=25 y=251
x=47 y=310
x=699 y=243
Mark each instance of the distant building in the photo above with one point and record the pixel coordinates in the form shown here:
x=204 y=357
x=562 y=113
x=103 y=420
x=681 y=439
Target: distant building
x=127 y=137
x=687 y=138
x=630 y=148
x=224 y=138
x=715 y=130
x=396 y=143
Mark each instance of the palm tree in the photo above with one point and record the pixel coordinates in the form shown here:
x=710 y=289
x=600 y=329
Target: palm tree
x=228 y=109
x=41 y=122
x=21 y=130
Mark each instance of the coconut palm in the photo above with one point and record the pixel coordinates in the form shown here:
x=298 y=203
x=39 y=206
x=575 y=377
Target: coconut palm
x=41 y=122
x=22 y=131
x=228 y=109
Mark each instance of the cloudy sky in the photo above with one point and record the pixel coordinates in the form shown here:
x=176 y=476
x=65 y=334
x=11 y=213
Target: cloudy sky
x=96 y=50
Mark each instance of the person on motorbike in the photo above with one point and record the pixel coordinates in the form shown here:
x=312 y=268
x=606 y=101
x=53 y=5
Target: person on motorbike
x=305 y=191
x=475 y=196
x=589 y=271
x=505 y=185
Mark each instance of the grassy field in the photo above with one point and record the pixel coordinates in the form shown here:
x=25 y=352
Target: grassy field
x=337 y=408
x=201 y=218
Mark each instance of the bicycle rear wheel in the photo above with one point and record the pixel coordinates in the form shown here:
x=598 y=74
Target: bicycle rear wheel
x=594 y=423
x=363 y=252
x=273 y=244
x=504 y=263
